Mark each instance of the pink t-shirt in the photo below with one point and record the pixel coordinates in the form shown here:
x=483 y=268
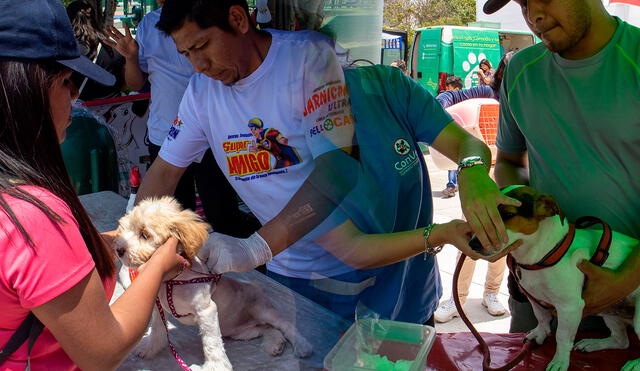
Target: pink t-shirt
x=32 y=276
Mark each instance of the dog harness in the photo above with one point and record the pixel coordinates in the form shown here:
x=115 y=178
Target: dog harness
x=557 y=253
x=206 y=277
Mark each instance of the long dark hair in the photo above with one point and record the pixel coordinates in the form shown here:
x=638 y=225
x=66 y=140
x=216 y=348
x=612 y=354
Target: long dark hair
x=85 y=26
x=30 y=153
x=499 y=74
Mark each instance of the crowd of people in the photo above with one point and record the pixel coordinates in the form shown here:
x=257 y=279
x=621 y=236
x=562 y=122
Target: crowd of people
x=326 y=159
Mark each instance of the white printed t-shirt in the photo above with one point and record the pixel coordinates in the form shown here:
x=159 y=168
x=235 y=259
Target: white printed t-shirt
x=299 y=95
x=169 y=73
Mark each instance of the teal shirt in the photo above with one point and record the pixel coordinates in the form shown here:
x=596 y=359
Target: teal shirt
x=393 y=113
x=579 y=121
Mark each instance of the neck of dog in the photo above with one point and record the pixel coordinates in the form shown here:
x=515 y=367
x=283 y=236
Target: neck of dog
x=536 y=245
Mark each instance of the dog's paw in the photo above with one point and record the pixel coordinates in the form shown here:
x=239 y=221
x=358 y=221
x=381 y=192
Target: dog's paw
x=592 y=345
x=302 y=348
x=538 y=334
x=222 y=365
x=275 y=348
x=631 y=365
x=558 y=365
x=148 y=348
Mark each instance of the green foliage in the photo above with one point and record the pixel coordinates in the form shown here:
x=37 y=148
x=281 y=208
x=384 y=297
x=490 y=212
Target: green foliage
x=408 y=15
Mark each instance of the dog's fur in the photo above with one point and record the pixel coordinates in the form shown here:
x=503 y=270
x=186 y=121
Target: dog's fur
x=229 y=308
x=540 y=224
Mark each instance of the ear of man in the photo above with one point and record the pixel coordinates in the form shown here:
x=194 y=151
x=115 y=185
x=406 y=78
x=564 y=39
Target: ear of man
x=238 y=20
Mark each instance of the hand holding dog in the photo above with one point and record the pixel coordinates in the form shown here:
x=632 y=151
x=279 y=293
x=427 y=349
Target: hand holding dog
x=480 y=197
x=458 y=233
x=167 y=257
x=604 y=287
x=224 y=253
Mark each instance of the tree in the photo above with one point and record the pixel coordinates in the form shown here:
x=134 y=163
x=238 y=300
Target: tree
x=407 y=15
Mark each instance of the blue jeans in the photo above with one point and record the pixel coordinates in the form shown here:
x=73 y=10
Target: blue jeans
x=453 y=178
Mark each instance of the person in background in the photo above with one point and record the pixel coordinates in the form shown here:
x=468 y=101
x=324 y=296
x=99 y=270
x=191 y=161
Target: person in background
x=452 y=83
x=485 y=72
x=559 y=133
x=153 y=57
x=90 y=35
x=53 y=262
x=495 y=271
x=402 y=65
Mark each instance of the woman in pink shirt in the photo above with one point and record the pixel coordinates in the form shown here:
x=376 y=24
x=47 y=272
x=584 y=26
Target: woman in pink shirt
x=53 y=262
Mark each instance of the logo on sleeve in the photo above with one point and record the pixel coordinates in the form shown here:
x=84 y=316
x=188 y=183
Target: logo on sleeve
x=175 y=129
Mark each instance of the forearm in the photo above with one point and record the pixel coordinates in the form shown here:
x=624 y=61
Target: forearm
x=506 y=173
x=472 y=146
x=333 y=177
x=133 y=75
x=160 y=180
x=629 y=271
x=366 y=251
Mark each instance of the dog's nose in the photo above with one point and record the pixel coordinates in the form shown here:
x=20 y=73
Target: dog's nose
x=120 y=251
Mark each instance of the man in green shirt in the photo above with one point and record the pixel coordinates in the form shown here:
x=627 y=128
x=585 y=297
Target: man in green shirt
x=570 y=127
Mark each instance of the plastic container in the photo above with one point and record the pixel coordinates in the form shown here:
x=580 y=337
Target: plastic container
x=405 y=346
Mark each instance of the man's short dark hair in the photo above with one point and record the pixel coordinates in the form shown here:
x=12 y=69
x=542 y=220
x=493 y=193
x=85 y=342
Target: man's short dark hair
x=454 y=81
x=205 y=13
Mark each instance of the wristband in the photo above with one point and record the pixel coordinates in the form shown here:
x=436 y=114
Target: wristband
x=429 y=250
x=471 y=161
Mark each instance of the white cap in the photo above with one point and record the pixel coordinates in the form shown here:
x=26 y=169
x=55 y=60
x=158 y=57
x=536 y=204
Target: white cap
x=264 y=15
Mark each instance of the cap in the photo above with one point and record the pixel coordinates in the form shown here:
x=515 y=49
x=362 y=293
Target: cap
x=255 y=123
x=493 y=6
x=40 y=29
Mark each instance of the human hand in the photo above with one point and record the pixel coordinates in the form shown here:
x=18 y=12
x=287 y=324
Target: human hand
x=167 y=257
x=480 y=197
x=224 y=253
x=459 y=233
x=603 y=287
x=253 y=147
x=124 y=44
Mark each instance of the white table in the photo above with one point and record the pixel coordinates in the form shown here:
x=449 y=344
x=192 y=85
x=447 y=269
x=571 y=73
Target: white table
x=321 y=327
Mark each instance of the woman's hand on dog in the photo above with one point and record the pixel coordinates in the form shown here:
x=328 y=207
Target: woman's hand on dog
x=480 y=198
x=171 y=263
x=458 y=233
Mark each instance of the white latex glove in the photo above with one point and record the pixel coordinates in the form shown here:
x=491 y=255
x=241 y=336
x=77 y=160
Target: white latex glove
x=223 y=253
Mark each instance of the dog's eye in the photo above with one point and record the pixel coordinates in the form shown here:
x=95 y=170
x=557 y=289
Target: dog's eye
x=507 y=215
x=144 y=235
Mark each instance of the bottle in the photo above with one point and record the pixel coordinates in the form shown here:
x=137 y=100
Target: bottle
x=134 y=181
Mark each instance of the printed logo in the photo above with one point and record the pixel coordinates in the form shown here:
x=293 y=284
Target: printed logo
x=402 y=147
x=471 y=66
x=331 y=123
x=407 y=163
x=323 y=95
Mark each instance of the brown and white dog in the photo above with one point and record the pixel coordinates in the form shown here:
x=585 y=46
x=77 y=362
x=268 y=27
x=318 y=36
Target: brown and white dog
x=227 y=308
x=540 y=224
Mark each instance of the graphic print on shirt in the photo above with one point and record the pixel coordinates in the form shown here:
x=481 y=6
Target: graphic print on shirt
x=247 y=157
x=330 y=102
x=175 y=129
x=410 y=159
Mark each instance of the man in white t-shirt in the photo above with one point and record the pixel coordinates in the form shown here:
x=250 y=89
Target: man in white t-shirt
x=153 y=57
x=285 y=92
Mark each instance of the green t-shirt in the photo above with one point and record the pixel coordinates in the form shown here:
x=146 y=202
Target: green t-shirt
x=579 y=121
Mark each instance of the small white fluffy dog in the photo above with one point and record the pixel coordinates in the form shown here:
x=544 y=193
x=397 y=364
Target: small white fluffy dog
x=229 y=308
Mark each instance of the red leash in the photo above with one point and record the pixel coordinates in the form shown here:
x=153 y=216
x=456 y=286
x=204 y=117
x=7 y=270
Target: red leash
x=486 y=363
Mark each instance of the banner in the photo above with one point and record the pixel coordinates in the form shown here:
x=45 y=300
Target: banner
x=126 y=118
x=469 y=48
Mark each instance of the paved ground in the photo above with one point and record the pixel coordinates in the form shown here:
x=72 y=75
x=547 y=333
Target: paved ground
x=446 y=209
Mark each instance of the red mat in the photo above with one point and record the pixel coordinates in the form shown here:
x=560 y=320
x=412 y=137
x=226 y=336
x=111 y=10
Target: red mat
x=460 y=351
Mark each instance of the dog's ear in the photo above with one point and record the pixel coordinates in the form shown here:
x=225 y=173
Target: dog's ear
x=192 y=232
x=546 y=206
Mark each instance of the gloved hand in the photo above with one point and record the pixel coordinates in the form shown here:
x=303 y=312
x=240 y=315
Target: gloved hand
x=223 y=253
